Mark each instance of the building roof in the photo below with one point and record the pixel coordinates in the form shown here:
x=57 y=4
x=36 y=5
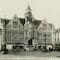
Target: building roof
x=5 y=20
x=28 y=7
x=22 y=20
x=37 y=22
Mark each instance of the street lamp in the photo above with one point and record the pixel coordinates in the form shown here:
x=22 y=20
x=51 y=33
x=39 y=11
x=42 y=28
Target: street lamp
x=45 y=41
x=4 y=46
x=33 y=32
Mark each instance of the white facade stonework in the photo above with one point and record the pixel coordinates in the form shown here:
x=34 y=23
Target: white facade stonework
x=45 y=29
x=27 y=32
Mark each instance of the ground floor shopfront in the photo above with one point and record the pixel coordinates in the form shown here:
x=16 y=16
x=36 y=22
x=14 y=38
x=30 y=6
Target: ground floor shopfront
x=26 y=47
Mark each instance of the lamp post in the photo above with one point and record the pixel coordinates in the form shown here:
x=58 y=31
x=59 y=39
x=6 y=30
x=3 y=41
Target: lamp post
x=4 y=47
x=33 y=32
x=45 y=41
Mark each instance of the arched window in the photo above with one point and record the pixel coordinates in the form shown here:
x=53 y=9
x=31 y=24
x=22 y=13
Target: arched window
x=15 y=24
x=30 y=42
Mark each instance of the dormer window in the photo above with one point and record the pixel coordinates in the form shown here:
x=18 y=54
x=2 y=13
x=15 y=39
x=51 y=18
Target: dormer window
x=15 y=24
x=45 y=25
x=15 y=17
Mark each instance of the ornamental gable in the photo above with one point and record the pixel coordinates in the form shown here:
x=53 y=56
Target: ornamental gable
x=14 y=24
x=44 y=26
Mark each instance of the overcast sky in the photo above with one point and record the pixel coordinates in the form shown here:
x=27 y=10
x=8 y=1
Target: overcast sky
x=40 y=9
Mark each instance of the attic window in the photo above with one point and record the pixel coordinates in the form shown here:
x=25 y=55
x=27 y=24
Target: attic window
x=15 y=22
x=44 y=24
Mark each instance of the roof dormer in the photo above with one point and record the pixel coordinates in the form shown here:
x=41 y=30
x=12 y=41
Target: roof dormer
x=15 y=17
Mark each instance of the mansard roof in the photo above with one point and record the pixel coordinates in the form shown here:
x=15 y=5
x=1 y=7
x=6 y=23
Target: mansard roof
x=37 y=22
x=22 y=20
x=5 y=20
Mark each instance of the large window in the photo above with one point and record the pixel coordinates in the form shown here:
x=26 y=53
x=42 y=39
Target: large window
x=0 y=31
x=30 y=42
x=15 y=24
x=58 y=39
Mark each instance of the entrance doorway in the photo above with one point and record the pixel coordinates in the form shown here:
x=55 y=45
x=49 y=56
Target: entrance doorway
x=30 y=42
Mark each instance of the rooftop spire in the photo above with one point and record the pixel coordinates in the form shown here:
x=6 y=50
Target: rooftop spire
x=28 y=7
x=28 y=12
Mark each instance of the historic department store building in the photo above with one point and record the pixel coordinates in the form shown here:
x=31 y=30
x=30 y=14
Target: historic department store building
x=26 y=32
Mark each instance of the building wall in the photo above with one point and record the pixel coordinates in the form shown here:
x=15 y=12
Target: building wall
x=57 y=37
x=29 y=31
x=41 y=37
x=44 y=29
x=15 y=32
x=1 y=33
x=0 y=38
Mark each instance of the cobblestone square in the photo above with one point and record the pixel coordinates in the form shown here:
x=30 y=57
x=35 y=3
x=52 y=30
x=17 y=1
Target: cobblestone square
x=31 y=55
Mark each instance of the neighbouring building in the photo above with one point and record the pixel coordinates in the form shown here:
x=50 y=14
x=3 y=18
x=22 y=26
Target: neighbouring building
x=1 y=33
x=57 y=38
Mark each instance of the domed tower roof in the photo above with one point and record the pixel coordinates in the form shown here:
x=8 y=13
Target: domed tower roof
x=28 y=13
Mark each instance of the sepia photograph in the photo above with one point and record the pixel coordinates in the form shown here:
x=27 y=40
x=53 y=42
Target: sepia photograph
x=29 y=29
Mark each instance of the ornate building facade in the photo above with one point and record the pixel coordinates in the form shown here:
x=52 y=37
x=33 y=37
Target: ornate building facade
x=45 y=34
x=27 y=32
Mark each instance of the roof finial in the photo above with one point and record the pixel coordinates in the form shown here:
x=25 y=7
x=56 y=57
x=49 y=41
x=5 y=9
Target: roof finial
x=28 y=7
x=15 y=16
